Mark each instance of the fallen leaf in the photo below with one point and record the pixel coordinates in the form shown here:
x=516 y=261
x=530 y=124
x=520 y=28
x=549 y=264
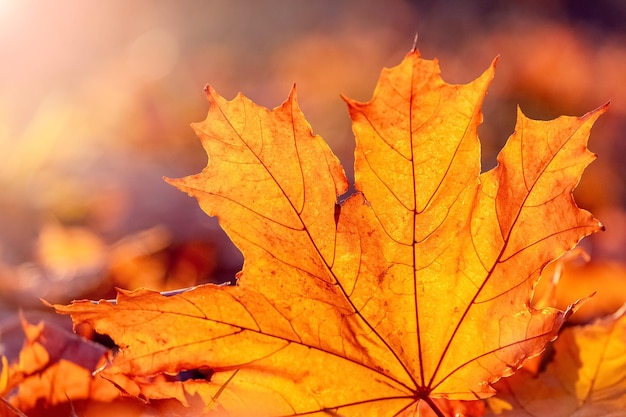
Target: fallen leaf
x=587 y=377
x=66 y=252
x=607 y=280
x=412 y=293
x=149 y=259
x=68 y=259
x=54 y=376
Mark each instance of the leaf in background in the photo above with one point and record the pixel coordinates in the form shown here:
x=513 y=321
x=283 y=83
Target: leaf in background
x=413 y=291
x=54 y=376
x=586 y=378
x=579 y=279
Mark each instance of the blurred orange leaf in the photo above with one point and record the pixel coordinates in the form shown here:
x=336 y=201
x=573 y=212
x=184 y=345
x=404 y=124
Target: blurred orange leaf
x=586 y=378
x=407 y=298
x=54 y=376
x=579 y=279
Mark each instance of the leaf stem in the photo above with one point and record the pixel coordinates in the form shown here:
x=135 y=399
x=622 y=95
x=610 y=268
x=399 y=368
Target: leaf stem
x=434 y=407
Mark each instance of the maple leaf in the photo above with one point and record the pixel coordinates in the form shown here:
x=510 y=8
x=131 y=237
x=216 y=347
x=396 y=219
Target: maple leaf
x=412 y=292
x=586 y=378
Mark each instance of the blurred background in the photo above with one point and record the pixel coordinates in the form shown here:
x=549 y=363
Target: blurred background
x=96 y=100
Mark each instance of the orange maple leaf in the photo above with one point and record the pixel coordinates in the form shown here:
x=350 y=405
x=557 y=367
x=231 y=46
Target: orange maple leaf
x=413 y=291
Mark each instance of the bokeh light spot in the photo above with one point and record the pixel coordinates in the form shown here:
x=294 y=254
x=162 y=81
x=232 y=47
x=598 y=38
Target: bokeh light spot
x=153 y=54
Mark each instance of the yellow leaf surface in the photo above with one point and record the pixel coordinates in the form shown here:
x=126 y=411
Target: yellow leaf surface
x=587 y=377
x=412 y=292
